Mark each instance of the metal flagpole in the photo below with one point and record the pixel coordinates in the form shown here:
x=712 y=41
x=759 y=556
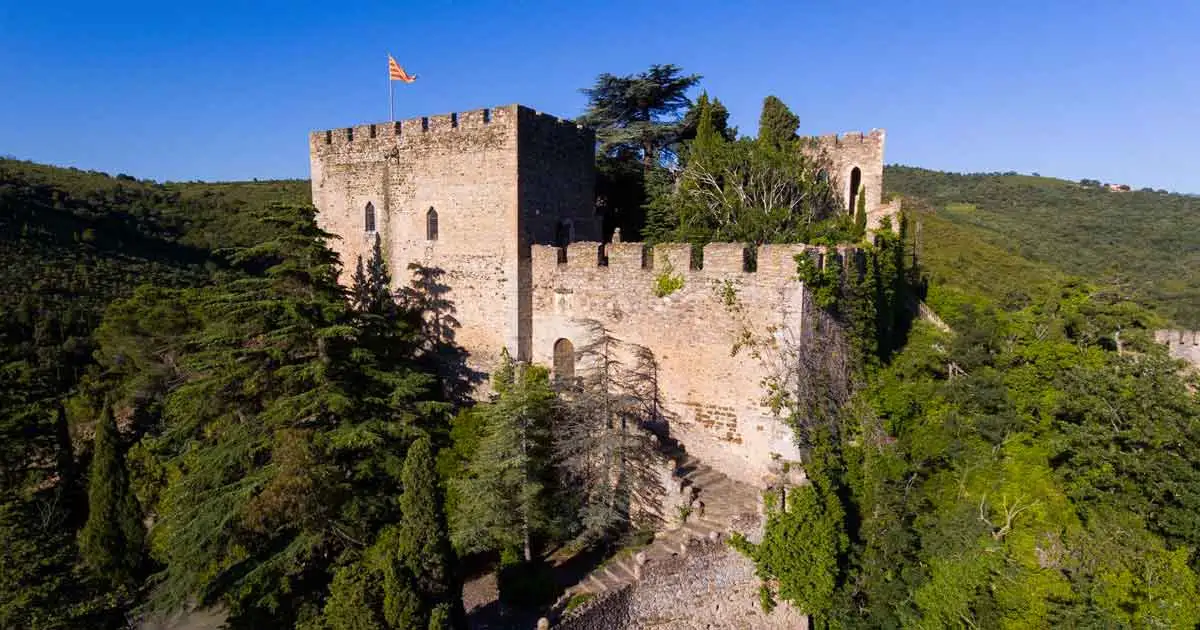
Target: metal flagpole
x=391 y=92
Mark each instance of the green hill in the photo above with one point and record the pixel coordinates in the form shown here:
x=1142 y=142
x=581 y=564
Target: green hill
x=83 y=238
x=1004 y=234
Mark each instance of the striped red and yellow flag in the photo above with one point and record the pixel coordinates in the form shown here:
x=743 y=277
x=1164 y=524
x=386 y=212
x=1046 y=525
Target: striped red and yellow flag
x=396 y=73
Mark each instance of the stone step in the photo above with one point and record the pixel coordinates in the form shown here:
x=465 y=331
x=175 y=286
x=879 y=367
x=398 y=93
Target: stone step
x=617 y=574
x=595 y=585
x=728 y=505
x=703 y=477
x=724 y=485
x=609 y=579
x=626 y=563
x=701 y=528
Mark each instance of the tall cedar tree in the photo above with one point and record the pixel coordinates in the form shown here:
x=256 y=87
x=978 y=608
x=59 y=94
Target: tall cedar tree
x=777 y=124
x=599 y=440
x=111 y=540
x=639 y=114
x=423 y=540
x=284 y=442
x=503 y=501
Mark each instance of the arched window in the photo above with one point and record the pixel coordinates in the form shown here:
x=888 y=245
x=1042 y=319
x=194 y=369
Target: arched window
x=855 y=184
x=431 y=226
x=564 y=360
x=369 y=217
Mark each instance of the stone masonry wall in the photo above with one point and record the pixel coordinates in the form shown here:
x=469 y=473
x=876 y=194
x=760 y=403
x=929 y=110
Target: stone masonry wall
x=483 y=172
x=1182 y=344
x=861 y=150
x=713 y=397
x=557 y=192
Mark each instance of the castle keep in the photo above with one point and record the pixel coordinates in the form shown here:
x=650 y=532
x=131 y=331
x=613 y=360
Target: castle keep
x=501 y=202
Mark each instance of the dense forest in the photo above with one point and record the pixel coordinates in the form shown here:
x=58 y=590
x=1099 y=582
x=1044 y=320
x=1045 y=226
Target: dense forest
x=194 y=413
x=1141 y=243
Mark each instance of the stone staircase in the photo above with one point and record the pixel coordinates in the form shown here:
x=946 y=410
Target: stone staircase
x=720 y=506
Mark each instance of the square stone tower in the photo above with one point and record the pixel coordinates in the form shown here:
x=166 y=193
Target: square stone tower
x=463 y=195
x=854 y=163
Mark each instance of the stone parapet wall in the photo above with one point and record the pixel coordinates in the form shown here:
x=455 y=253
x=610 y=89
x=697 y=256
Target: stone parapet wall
x=711 y=384
x=1181 y=344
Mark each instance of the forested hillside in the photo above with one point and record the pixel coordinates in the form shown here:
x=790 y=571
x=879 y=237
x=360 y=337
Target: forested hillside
x=1142 y=244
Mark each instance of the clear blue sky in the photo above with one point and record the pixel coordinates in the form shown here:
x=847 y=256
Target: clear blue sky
x=220 y=90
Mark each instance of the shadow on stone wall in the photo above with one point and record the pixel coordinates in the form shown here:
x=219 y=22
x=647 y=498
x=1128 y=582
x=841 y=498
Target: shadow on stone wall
x=426 y=300
x=608 y=435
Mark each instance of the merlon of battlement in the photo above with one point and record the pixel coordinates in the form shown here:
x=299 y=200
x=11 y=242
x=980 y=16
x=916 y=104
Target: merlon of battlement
x=505 y=115
x=717 y=260
x=1178 y=337
x=850 y=137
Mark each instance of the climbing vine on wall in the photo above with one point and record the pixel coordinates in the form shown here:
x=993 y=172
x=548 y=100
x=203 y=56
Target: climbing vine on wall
x=855 y=315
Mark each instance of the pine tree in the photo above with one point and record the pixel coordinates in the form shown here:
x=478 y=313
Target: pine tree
x=777 y=124
x=288 y=436
x=503 y=502
x=355 y=599
x=639 y=114
x=111 y=540
x=423 y=543
x=598 y=439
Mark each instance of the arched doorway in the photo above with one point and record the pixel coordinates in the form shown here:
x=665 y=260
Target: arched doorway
x=855 y=184
x=564 y=360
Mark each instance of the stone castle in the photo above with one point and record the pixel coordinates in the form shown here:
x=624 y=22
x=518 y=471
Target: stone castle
x=501 y=201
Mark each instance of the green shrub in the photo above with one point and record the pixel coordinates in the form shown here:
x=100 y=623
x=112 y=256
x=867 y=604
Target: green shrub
x=667 y=282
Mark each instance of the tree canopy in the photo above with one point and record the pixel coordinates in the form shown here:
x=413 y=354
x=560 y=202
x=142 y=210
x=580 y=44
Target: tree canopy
x=639 y=114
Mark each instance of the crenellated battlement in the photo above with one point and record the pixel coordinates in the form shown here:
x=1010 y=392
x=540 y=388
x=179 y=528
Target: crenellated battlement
x=506 y=117
x=851 y=138
x=1181 y=344
x=717 y=261
x=1178 y=337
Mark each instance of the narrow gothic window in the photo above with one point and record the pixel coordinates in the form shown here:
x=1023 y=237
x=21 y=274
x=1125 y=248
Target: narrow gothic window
x=431 y=226
x=564 y=360
x=855 y=184
x=369 y=217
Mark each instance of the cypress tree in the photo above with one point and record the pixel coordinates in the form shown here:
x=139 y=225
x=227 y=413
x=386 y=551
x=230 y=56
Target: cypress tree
x=359 y=289
x=111 y=540
x=860 y=211
x=708 y=137
x=503 y=498
x=777 y=124
x=379 y=298
x=424 y=551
